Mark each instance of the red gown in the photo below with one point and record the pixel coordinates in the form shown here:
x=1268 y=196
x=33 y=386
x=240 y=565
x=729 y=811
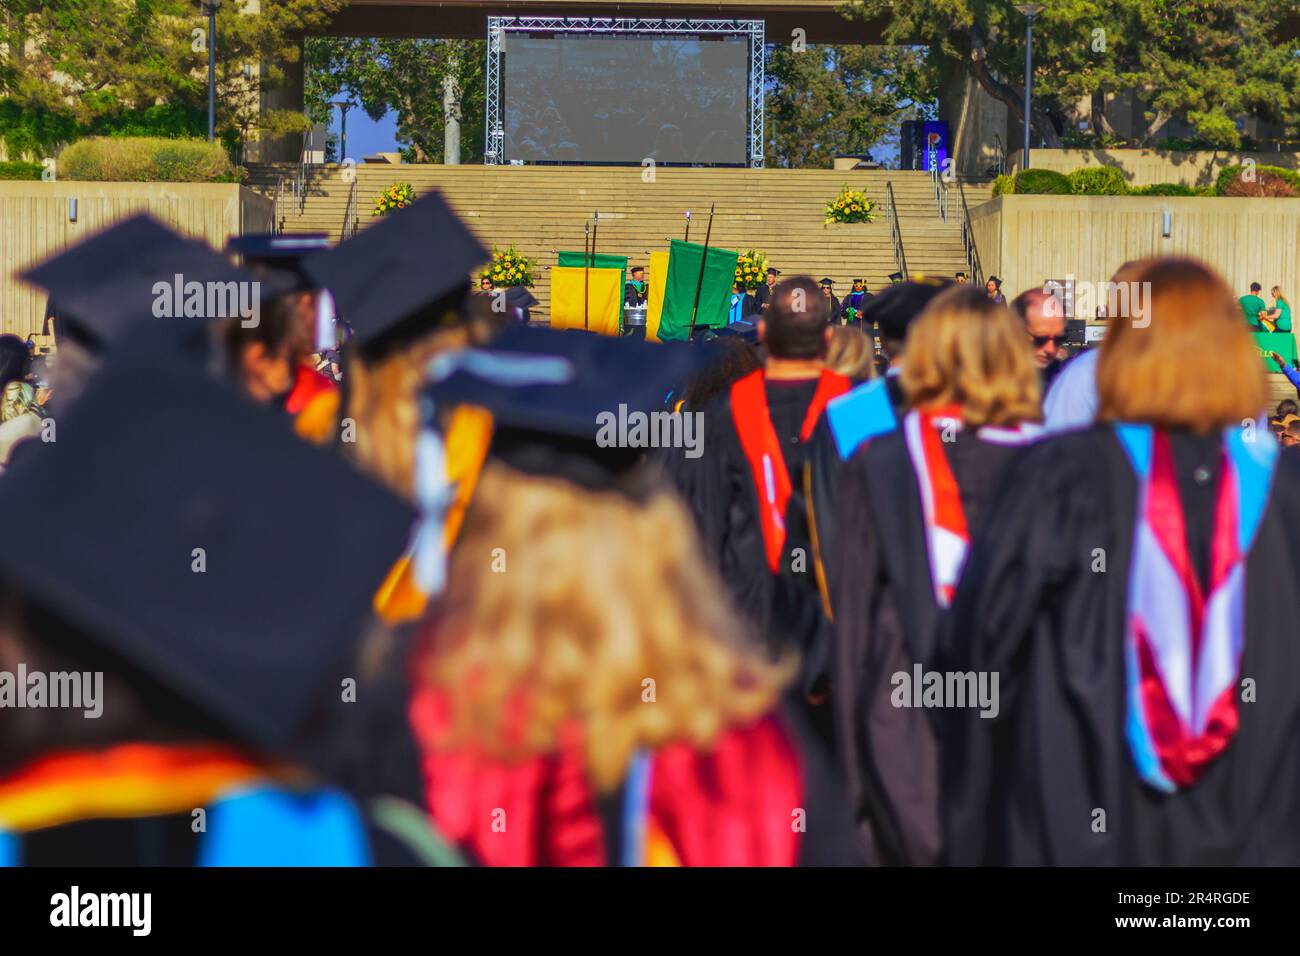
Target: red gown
x=740 y=804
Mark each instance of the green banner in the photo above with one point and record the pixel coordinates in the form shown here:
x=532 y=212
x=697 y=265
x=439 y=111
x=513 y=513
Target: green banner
x=679 y=290
x=1283 y=343
x=601 y=260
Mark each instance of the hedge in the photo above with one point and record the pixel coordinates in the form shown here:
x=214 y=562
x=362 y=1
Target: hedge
x=1004 y=185
x=20 y=170
x=1229 y=174
x=1166 y=189
x=146 y=159
x=1098 y=181
x=1042 y=181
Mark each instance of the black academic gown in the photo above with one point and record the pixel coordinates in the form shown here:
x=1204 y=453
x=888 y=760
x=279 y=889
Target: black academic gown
x=1030 y=786
x=886 y=619
x=719 y=488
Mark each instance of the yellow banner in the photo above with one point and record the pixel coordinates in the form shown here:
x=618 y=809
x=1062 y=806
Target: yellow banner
x=603 y=305
x=657 y=277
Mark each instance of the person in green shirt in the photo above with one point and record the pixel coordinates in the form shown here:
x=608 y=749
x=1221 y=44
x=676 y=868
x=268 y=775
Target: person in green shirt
x=1280 y=314
x=1251 y=306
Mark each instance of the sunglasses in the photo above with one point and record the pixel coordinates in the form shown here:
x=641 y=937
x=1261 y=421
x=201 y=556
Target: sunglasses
x=1041 y=340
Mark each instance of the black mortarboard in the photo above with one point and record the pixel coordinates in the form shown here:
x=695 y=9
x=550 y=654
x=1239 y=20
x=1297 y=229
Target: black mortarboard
x=772 y=271
x=895 y=307
x=112 y=279
x=520 y=298
x=400 y=278
x=280 y=251
x=158 y=460
x=826 y=281
x=551 y=393
x=896 y=277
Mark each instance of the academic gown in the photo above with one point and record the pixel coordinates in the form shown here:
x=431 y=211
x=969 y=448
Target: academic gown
x=1037 y=607
x=719 y=489
x=886 y=619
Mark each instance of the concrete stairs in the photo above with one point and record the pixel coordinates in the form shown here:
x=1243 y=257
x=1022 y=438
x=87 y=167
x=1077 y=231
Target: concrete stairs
x=542 y=209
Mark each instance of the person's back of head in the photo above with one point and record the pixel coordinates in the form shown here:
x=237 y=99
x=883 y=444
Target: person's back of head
x=1255 y=288
x=1288 y=406
x=1181 y=357
x=736 y=359
x=15 y=359
x=851 y=352
x=796 y=321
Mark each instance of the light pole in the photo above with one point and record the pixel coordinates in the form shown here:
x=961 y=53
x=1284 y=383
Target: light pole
x=209 y=7
x=343 y=106
x=1030 y=10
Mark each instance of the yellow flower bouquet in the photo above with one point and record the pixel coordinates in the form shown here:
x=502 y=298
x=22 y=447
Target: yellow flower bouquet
x=851 y=205
x=509 y=267
x=396 y=196
x=751 y=269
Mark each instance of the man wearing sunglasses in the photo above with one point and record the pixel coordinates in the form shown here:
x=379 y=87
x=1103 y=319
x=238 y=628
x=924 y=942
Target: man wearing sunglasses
x=1044 y=320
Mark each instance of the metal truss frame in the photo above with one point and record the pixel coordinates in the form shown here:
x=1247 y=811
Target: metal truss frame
x=494 y=131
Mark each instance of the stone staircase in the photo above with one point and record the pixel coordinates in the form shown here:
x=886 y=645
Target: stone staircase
x=541 y=209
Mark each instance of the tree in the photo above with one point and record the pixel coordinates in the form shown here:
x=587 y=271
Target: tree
x=406 y=76
x=93 y=61
x=1205 y=61
x=823 y=100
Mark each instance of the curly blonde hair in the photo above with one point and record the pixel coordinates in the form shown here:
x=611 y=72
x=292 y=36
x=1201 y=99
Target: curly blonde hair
x=567 y=604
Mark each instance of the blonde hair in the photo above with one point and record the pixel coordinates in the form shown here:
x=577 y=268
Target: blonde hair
x=969 y=350
x=1183 y=358
x=383 y=401
x=596 y=595
x=850 y=352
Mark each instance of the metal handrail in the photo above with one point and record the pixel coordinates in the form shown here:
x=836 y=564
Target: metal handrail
x=999 y=155
x=968 y=237
x=895 y=233
x=940 y=191
x=350 y=214
x=277 y=226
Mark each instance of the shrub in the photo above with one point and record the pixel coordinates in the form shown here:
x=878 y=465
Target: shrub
x=1042 y=182
x=146 y=159
x=1098 y=181
x=20 y=170
x=1004 y=185
x=1166 y=189
x=1232 y=182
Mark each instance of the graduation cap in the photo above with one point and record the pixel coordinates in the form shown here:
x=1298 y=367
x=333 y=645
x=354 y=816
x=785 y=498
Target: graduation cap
x=280 y=251
x=557 y=398
x=197 y=544
x=896 y=307
x=772 y=271
x=896 y=277
x=403 y=277
x=519 y=297
x=138 y=270
x=826 y=281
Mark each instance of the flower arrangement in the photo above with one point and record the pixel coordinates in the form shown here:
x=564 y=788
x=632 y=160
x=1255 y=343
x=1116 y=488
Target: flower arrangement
x=851 y=205
x=751 y=269
x=509 y=267
x=396 y=196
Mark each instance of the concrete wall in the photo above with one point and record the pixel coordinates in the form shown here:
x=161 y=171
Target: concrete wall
x=34 y=224
x=1027 y=240
x=1145 y=167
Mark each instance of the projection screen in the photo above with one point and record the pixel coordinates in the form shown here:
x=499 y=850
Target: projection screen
x=601 y=98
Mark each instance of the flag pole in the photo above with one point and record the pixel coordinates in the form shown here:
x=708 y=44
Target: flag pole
x=687 y=237
x=586 y=268
x=704 y=257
